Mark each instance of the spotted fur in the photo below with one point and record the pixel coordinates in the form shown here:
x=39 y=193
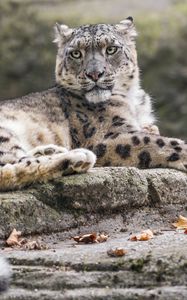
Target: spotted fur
x=97 y=109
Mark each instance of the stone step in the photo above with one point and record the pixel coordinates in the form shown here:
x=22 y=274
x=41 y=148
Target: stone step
x=77 y=270
x=135 y=276
x=95 y=198
x=160 y=293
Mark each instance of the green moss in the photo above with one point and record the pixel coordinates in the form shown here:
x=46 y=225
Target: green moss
x=137 y=265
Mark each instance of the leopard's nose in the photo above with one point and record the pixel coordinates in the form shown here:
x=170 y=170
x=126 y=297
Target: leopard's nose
x=94 y=75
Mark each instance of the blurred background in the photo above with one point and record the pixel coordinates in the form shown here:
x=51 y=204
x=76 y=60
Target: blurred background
x=27 y=54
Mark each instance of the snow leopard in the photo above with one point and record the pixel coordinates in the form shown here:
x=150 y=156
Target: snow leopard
x=97 y=114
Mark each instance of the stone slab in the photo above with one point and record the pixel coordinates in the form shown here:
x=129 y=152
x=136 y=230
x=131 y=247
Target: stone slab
x=97 y=197
x=154 y=269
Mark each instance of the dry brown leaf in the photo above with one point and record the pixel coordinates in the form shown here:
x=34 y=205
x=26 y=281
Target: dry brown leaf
x=86 y=238
x=185 y=231
x=13 y=239
x=181 y=223
x=116 y=252
x=35 y=245
x=91 y=238
x=143 y=236
x=102 y=238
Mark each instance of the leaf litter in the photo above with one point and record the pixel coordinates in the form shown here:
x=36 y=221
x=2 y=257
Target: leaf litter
x=16 y=241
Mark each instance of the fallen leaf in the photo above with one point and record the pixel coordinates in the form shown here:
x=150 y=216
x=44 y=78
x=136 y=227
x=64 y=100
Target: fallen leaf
x=143 y=236
x=91 y=238
x=101 y=238
x=185 y=231
x=86 y=238
x=13 y=239
x=181 y=223
x=116 y=252
x=35 y=245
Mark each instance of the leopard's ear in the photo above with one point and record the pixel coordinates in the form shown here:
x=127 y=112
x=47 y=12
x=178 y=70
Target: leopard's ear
x=127 y=27
x=62 y=33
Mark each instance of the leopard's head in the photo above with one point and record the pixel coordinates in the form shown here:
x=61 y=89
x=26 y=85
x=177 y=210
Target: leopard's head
x=93 y=59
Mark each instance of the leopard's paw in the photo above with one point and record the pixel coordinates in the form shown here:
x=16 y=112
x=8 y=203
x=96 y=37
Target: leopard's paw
x=47 y=150
x=152 y=129
x=77 y=161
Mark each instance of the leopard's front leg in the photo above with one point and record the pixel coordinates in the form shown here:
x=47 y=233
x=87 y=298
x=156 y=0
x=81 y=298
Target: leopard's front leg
x=142 y=150
x=45 y=167
x=45 y=150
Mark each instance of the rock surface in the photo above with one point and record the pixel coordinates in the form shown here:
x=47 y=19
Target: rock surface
x=117 y=201
x=154 y=269
x=98 y=196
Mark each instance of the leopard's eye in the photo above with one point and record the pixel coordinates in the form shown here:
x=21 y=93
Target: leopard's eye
x=76 y=54
x=111 y=50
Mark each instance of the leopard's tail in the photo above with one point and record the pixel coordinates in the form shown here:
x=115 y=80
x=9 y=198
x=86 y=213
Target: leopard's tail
x=143 y=151
x=44 y=168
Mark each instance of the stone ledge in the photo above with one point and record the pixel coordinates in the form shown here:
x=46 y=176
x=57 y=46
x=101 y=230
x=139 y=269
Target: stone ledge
x=98 y=197
x=155 y=269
